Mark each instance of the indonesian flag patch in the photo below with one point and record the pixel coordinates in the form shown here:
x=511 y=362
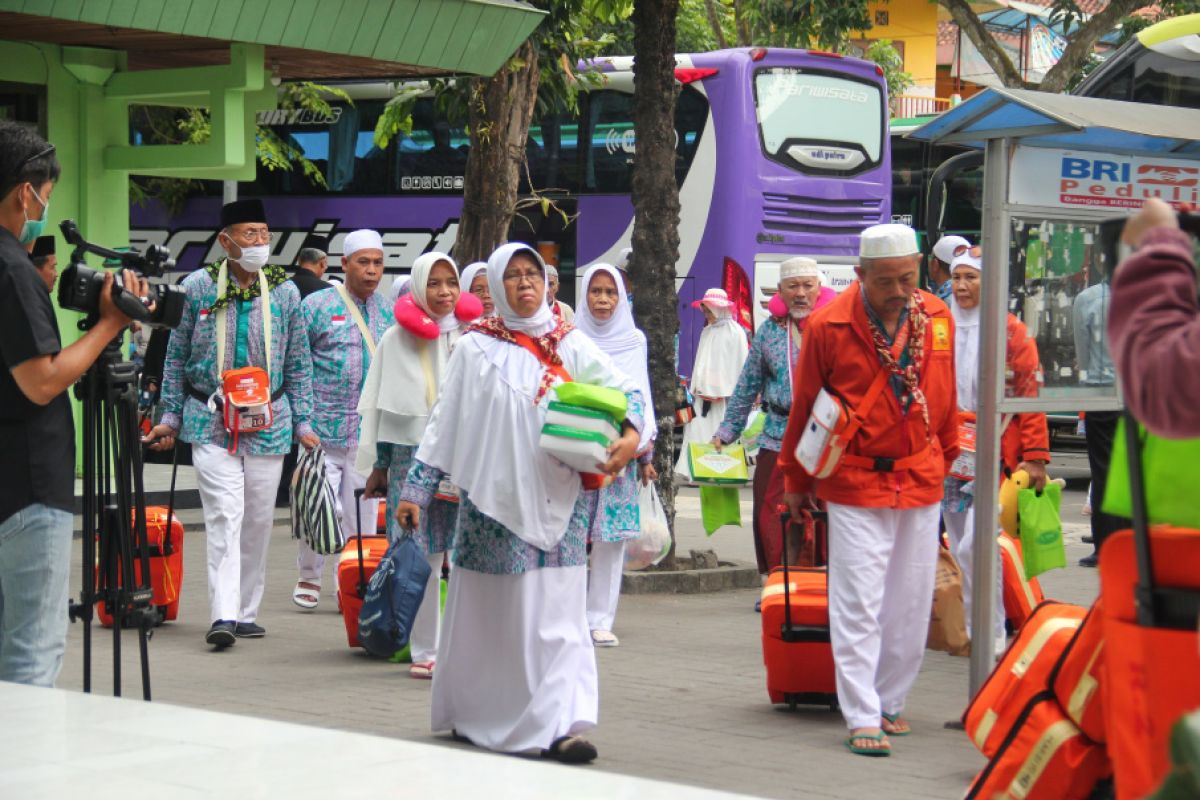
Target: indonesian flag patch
x=338 y=319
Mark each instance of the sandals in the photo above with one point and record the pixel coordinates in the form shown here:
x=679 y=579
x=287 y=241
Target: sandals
x=306 y=595
x=896 y=723
x=422 y=670
x=877 y=752
x=605 y=639
x=571 y=750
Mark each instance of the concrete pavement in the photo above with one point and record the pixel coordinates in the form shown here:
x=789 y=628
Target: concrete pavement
x=682 y=699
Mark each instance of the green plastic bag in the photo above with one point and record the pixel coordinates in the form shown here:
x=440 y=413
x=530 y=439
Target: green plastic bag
x=1172 y=473
x=1041 y=529
x=753 y=430
x=719 y=505
x=1183 y=781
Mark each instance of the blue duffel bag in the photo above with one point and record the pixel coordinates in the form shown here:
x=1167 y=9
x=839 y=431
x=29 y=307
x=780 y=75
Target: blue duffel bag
x=393 y=598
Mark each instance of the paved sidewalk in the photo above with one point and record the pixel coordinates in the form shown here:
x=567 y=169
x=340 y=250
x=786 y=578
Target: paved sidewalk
x=682 y=698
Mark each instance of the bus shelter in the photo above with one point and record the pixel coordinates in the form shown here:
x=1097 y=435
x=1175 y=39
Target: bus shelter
x=1055 y=167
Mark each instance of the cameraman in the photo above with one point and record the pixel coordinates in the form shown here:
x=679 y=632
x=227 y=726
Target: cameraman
x=1154 y=324
x=37 y=433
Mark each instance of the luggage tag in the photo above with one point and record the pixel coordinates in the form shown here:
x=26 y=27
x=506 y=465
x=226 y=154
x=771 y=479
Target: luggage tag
x=446 y=491
x=963 y=467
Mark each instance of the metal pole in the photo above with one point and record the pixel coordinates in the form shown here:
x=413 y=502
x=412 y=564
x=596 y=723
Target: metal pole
x=993 y=312
x=229 y=191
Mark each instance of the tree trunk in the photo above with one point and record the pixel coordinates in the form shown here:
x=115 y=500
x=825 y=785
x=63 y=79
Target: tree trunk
x=969 y=23
x=714 y=22
x=1083 y=42
x=656 y=222
x=741 y=24
x=500 y=110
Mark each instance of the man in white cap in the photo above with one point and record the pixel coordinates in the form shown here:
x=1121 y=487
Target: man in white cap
x=240 y=313
x=344 y=325
x=767 y=373
x=886 y=350
x=944 y=253
x=560 y=309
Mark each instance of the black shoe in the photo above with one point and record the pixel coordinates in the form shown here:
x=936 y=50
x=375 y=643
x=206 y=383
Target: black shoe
x=248 y=630
x=758 y=606
x=571 y=750
x=221 y=634
x=1089 y=539
x=1089 y=561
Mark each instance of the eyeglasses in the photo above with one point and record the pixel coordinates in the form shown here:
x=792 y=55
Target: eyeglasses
x=262 y=235
x=975 y=251
x=517 y=278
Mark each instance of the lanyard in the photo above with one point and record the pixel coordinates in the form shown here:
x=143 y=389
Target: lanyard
x=793 y=339
x=264 y=293
x=352 y=307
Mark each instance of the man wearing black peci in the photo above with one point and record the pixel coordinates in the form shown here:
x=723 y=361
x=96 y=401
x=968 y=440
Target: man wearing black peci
x=37 y=432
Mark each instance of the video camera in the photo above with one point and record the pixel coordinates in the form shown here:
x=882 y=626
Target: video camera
x=80 y=286
x=1114 y=251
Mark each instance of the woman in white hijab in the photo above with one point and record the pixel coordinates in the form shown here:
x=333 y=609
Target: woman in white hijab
x=606 y=317
x=719 y=359
x=396 y=400
x=1025 y=440
x=475 y=281
x=516 y=670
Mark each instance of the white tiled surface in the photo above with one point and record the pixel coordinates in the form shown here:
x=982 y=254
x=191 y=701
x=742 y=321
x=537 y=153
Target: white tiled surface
x=57 y=744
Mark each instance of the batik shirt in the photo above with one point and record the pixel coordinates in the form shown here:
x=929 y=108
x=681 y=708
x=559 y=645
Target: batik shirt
x=340 y=361
x=766 y=373
x=438 y=519
x=192 y=361
x=614 y=509
x=481 y=544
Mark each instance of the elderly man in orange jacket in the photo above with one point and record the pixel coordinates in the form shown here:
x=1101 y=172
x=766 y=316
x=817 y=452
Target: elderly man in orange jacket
x=883 y=498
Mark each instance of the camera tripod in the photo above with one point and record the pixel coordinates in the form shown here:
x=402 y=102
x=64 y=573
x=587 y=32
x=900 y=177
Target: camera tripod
x=116 y=558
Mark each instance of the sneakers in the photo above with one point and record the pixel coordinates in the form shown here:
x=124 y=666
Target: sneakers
x=221 y=634
x=248 y=630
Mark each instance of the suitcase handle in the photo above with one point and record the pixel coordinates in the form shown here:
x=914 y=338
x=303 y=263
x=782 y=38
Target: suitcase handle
x=362 y=570
x=785 y=519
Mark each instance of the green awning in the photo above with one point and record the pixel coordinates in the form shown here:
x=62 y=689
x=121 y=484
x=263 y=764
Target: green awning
x=360 y=38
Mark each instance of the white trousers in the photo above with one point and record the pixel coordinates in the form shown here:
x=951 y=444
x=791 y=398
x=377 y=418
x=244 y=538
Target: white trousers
x=882 y=563
x=238 y=496
x=344 y=479
x=604 y=584
x=960 y=526
x=424 y=636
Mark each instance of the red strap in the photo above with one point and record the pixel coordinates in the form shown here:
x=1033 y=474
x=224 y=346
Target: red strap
x=897 y=465
x=527 y=342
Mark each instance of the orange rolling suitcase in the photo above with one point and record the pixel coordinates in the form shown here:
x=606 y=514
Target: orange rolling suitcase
x=1022 y=594
x=356 y=564
x=1023 y=672
x=1079 y=674
x=165 y=543
x=1043 y=757
x=795 y=633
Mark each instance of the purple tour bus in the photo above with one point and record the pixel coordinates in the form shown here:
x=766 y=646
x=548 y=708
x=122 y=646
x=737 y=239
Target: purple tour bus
x=779 y=153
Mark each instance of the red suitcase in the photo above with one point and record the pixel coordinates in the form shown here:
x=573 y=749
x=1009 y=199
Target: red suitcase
x=356 y=564
x=795 y=634
x=165 y=543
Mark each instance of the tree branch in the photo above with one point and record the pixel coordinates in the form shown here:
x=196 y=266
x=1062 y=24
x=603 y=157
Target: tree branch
x=714 y=22
x=740 y=22
x=969 y=23
x=1083 y=42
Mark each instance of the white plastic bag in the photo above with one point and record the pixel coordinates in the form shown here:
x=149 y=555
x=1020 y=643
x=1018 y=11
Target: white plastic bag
x=655 y=540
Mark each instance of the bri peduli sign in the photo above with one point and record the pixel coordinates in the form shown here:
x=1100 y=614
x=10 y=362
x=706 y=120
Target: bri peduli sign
x=1047 y=177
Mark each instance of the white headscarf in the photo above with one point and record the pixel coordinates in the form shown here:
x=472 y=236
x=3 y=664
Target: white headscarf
x=405 y=375
x=542 y=321
x=470 y=273
x=485 y=428
x=966 y=351
x=401 y=285
x=421 y=270
x=719 y=356
x=619 y=337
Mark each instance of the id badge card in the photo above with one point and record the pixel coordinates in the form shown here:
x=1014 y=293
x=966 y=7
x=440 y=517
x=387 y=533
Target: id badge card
x=446 y=491
x=963 y=467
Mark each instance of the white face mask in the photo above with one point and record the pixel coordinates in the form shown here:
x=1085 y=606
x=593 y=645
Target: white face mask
x=254 y=258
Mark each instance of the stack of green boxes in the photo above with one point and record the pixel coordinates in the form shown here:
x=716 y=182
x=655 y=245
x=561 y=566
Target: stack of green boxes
x=580 y=425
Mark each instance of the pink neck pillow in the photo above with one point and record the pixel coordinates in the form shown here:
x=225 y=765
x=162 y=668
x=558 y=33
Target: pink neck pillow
x=410 y=316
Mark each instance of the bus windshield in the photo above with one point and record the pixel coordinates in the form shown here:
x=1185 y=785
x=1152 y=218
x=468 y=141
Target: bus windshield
x=816 y=121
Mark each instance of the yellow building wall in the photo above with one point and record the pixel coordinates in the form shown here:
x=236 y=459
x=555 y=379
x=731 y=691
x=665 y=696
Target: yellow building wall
x=913 y=22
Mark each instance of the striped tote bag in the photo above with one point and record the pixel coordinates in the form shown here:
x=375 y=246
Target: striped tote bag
x=313 y=505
